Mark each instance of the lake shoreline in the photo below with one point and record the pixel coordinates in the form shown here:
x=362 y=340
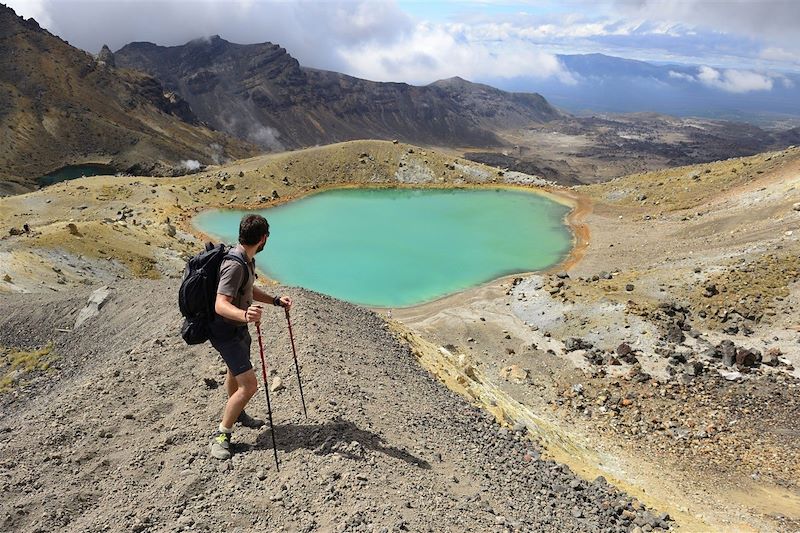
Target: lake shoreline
x=580 y=207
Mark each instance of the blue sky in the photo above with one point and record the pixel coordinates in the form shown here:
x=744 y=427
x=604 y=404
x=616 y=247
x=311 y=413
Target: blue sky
x=420 y=42
x=730 y=33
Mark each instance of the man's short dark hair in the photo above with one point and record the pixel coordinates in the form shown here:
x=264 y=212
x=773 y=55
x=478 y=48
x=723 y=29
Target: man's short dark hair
x=252 y=228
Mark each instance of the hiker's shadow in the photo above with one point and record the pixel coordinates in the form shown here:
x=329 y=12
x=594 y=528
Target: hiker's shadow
x=337 y=436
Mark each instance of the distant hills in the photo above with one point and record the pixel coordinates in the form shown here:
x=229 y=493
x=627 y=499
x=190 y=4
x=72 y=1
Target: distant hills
x=261 y=93
x=605 y=83
x=59 y=105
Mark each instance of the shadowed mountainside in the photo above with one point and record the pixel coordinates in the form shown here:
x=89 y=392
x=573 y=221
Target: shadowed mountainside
x=261 y=93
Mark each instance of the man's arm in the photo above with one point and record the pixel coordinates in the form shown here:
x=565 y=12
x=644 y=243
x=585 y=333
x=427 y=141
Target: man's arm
x=224 y=307
x=261 y=296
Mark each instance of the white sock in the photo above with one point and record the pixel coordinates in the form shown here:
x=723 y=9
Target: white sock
x=223 y=429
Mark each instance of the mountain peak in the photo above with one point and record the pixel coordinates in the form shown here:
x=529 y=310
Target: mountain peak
x=8 y=16
x=208 y=40
x=452 y=81
x=106 y=56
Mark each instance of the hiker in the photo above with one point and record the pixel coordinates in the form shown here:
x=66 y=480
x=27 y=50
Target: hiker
x=234 y=309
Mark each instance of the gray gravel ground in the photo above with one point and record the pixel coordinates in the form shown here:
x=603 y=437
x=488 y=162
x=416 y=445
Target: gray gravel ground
x=115 y=436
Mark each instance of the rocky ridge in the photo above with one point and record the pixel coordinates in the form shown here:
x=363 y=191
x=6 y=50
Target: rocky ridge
x=259 y=92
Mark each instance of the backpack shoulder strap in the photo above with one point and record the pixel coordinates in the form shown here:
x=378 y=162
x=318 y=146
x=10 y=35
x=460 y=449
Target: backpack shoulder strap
x=238 y=259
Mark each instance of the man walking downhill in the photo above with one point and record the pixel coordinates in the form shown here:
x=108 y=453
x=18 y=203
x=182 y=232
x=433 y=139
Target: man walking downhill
x=229 y=334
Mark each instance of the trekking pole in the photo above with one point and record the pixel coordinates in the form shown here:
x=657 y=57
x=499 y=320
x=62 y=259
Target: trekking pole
x=266 y=391
x=296 y=366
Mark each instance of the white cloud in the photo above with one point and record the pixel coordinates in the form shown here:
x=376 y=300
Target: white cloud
x=379 y=40
x=436 y=51
x=734 y=81
x=747 y=16
x=774 y=21
x=312 y=31
x=681 y=76
x=776 y=53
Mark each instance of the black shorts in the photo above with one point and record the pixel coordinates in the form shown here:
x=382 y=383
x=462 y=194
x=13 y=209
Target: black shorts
x=233 y=344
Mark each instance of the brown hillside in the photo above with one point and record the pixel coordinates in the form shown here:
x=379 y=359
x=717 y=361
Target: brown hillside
x=60 y=106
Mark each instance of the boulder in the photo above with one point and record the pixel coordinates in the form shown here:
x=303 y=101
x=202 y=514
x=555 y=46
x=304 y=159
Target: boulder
x=169 y=229
x=730 y=375
x=727 y=351
x=624 y=349
x=96 y=302
x=745 y=357
x=677 y=358
x=694 y=368
x=675 y=334
x=771 y=357
x=575 y=343
x=596 y=357
x=710 y=290
x=277 y=384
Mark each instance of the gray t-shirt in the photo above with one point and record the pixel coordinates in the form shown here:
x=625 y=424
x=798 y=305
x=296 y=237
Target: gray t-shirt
x=231 y=277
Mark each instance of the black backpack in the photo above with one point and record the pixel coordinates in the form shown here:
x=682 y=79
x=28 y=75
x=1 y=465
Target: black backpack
x=198 y=292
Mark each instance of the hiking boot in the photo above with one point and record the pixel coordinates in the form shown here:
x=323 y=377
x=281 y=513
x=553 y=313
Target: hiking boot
x=220 y=445
x=248 y=421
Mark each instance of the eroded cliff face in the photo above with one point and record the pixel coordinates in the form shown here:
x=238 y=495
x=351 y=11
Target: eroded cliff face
x=261 y=93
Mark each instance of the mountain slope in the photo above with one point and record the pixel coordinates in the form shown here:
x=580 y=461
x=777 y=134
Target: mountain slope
x=59 y=106
x=116 y=439
x=261 y=93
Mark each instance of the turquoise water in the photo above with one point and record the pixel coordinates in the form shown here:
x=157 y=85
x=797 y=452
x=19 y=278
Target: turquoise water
x=73 y=172
x=400 y=247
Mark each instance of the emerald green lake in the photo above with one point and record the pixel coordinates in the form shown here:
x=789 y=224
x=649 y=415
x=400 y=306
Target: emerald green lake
x=73 y=172
x=401 y=247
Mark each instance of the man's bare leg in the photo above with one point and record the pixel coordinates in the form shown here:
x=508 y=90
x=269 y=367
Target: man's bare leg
x=246 y=387
x=230 y=383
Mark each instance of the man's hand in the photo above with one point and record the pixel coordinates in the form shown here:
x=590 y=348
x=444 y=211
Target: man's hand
x=286 y=302
x=254 y=313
